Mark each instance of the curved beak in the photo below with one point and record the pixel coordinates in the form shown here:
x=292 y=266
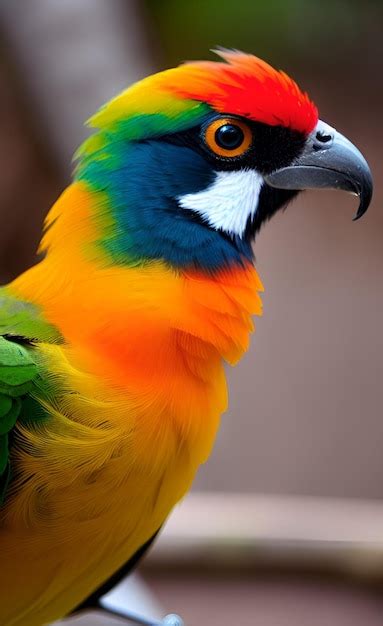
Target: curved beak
x=329 y=161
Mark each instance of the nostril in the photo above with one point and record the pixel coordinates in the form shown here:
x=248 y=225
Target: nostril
x=323 y=137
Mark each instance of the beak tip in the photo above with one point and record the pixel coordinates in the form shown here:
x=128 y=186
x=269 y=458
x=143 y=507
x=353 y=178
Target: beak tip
x=365 y=196
x=361 y=211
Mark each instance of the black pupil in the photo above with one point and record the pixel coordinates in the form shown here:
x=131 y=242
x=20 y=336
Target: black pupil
x=229 y=136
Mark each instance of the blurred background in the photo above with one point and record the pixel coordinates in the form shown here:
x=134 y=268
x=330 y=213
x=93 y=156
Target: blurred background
x=285 y=524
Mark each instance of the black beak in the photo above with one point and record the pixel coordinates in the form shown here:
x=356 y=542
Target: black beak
x=329 y=161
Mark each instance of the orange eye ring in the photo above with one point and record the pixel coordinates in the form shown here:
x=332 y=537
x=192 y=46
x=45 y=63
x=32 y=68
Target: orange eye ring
x=238 y=134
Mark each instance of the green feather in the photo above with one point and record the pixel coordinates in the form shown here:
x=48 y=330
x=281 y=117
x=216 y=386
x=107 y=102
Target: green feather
x=24 y=319
x=9 y=420
x=22 y=327
x=3 y=452
x=15 y=391
x=5 y=479
x=16 y=375
x=5 y=405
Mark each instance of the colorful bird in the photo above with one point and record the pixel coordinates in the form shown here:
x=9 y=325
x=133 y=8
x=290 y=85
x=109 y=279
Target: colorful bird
x=112 y=347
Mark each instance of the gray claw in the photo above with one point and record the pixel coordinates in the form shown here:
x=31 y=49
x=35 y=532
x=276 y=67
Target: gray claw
x=172 y=620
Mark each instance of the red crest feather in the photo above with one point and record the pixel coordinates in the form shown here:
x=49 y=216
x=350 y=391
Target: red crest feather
x=247 y=86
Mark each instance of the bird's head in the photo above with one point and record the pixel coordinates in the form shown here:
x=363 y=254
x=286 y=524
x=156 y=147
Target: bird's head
x=190 y=162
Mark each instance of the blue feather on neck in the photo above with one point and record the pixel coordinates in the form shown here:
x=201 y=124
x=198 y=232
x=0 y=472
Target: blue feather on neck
x=142 y=181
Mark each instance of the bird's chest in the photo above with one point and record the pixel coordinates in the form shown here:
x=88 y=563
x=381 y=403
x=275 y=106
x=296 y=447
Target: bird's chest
x=133 y=409
x=109 y=459
x=83 y=520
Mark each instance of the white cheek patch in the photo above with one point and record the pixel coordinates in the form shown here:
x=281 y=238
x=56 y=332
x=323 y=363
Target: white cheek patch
x=229 y=201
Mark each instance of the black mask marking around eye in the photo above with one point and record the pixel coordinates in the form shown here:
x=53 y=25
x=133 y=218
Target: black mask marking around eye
x=272 y=146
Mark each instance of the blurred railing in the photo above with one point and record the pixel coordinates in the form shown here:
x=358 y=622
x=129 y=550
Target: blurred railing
x=215 y=530
x=245 y=533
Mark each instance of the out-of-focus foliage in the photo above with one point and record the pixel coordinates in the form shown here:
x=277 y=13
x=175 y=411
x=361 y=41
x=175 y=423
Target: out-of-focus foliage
x=298 y=30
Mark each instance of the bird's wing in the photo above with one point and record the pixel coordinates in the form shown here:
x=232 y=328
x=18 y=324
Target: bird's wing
x=23 y=319
x=22 y=326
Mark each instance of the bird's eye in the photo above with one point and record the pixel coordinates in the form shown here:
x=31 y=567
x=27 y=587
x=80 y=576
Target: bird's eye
x=228 y=137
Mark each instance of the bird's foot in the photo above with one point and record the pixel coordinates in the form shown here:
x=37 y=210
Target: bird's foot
x=169 y=620
x=172 y=620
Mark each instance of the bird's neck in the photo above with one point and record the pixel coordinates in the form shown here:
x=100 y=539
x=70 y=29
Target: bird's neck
x=140 y=320
x=155 y=335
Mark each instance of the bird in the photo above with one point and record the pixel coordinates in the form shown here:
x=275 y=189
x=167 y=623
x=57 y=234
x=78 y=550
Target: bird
x=113 y=345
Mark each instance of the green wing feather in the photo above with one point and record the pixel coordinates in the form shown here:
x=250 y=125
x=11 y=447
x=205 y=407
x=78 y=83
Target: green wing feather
x=23 y=319
x=22 y=326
